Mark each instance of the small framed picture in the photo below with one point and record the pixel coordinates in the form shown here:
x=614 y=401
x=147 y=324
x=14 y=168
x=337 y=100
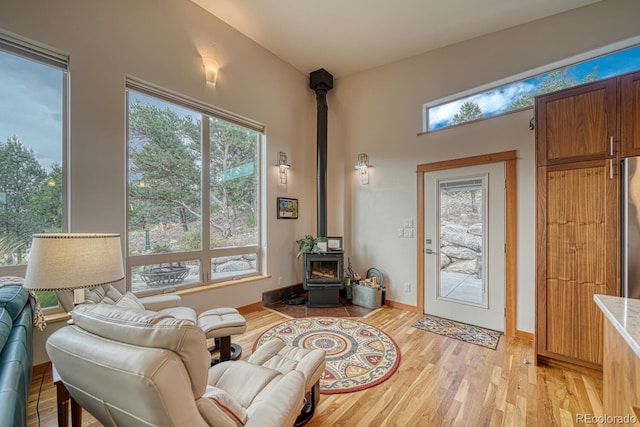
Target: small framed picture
x=334 y=243
x=287 y=208
x=322 y=246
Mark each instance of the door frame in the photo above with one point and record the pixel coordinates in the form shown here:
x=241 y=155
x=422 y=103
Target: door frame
x=510 y=275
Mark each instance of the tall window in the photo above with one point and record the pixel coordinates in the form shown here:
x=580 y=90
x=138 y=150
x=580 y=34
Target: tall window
x=193 y=192
x=520 y=94
x=33 y=112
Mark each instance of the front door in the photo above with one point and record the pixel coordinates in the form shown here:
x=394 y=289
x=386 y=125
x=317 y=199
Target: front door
x=464 y=244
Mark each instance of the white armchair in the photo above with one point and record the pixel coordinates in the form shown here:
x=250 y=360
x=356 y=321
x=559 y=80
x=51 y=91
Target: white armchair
x=139 y=368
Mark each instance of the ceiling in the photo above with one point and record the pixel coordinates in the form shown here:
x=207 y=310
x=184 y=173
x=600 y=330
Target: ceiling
x=348 y=36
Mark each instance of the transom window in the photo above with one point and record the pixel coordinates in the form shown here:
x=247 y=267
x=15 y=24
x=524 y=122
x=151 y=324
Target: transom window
x=33 y=111
x=520 y=92
x=193 y=192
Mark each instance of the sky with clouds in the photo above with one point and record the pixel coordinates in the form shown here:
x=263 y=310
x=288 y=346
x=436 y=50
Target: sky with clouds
x=31 y=106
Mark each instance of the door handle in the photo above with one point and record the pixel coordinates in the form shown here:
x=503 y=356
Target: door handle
x=431 y=252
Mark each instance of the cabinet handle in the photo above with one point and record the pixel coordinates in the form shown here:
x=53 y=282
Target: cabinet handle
x=611 y=145
x=610 y=168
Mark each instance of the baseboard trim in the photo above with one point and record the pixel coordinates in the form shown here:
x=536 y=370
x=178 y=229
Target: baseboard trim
x=39 y=370
x=524 y=335
x=251 y=307
x=595 y=371
x=400 y=305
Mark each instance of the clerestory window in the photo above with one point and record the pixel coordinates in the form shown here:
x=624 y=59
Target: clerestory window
x=519 y=93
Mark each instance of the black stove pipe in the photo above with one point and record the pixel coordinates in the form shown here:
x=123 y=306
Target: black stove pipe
x=321 y=81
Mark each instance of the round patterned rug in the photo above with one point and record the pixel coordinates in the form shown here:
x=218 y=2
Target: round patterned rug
x=359 y=356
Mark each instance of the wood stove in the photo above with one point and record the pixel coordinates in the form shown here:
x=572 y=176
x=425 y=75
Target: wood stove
x=323 y=277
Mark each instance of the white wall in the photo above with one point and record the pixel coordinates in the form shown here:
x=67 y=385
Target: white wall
x=379 y=112
x=164 y=42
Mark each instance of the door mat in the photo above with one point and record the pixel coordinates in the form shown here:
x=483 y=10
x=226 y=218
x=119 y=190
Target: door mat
x=460 y=331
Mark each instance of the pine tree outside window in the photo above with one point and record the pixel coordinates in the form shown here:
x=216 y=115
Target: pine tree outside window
x=193 y=190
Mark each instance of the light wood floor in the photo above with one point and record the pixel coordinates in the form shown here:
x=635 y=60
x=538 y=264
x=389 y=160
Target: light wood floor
x=440 y=382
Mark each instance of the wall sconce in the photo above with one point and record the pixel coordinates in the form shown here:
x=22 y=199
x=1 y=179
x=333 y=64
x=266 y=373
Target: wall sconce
x=363 y=168
x=283 y=165
x=211 y=69
x=211 y=74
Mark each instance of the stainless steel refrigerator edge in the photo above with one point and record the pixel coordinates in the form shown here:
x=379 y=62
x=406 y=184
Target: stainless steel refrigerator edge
x=630 y=186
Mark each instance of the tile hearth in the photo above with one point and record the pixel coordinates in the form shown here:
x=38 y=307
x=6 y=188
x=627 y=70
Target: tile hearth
x=298 y=311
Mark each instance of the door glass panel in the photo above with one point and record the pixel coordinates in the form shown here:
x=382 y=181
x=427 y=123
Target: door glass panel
x=461 y=218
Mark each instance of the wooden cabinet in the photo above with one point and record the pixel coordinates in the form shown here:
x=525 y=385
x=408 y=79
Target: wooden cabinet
x=630 y=114
x=577 y=248
x=577 y=221
x=577 y=124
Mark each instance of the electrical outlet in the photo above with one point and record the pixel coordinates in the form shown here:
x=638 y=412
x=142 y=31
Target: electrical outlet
x=400 y=232
x=407 y=287
x=408 y=233
x=408 y=223
x=280 y=281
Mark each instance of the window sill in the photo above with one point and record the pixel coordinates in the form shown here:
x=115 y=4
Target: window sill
x=63 y=317
x=218 y=285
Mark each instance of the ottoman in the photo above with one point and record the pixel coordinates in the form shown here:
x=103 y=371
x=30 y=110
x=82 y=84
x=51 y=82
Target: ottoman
x=220 y=324
x=277 y=355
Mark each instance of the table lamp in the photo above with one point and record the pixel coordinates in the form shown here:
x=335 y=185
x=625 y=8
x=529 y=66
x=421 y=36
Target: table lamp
x=60 y=261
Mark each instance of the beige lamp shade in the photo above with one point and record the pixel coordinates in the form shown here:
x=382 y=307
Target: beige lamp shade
x=59 y=261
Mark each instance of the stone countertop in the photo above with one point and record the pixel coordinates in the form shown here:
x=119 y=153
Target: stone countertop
x=624 y=315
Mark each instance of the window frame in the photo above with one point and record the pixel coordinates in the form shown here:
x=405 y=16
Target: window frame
x=205 y=254
x=48 y=56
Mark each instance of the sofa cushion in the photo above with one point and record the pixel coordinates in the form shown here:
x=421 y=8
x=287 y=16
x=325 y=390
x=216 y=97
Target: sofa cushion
x=242 y=380
x=16 y=354
x=12 y=394
x=5 y=326
x=19 y=347
x=13 y=298
x=129 y=300
x=15 y=372
x=105 y=294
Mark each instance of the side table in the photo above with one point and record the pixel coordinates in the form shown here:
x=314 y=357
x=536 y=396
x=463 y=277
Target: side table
x=64 y=401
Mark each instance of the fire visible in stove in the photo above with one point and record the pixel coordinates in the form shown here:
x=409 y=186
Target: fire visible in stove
x=323 y=270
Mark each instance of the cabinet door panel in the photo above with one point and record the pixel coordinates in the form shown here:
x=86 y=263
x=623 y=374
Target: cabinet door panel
x=630 y=114
x=576 y=124
x=580 y=244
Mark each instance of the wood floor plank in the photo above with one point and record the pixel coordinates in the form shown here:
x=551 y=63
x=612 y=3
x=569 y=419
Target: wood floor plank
x=440 y=381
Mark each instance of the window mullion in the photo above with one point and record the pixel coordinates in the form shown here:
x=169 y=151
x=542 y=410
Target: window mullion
x=205 y=261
